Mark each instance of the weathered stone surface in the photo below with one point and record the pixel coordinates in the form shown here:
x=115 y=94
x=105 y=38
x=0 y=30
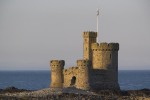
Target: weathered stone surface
x=57 y=78
x=98 y=70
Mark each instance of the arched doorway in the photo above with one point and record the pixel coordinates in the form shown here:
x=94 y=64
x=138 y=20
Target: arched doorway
x=73 y=81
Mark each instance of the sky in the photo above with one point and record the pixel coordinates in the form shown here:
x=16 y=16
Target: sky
x=33 y=32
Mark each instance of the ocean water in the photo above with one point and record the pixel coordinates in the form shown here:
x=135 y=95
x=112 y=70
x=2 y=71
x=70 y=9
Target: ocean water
x=34 y=80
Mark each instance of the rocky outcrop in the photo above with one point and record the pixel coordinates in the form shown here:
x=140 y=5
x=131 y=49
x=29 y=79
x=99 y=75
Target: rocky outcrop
x=73 y=94
x=12 y=90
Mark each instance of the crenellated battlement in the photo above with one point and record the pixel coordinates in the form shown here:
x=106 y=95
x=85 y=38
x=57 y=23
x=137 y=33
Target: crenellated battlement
x=83 y=63
x=105 y=46
x=90 y=34
x=70 y=70
x=57 y=63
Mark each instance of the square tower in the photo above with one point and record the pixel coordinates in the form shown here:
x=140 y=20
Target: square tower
x=88 y=39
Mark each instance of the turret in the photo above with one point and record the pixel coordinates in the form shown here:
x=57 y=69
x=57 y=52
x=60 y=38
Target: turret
x=83 y=74
x=57 y=67
x=105 y=55
x=88 y=39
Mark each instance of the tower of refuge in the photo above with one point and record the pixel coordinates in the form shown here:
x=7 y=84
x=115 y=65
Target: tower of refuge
x=97 y=70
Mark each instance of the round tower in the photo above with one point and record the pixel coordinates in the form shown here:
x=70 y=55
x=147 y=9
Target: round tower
x=57 y=67
x=105 y=56
x=83 y=74
x=109 y=52
x=88 y=39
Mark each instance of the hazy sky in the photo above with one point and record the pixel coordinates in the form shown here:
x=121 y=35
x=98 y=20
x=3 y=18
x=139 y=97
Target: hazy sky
x=32 y=32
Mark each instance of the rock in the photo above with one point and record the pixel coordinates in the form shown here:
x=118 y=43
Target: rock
x=11 y=88
x=75 y=94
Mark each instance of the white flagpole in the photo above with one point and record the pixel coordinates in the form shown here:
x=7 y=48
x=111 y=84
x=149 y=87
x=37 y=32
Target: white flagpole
x=97 y=22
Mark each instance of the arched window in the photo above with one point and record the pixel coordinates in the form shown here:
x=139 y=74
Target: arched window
x=73 y=81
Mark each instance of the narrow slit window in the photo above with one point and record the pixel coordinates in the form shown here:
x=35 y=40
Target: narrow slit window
x=110 y=56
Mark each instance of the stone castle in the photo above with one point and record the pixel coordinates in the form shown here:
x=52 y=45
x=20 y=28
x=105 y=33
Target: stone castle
x=98 y=70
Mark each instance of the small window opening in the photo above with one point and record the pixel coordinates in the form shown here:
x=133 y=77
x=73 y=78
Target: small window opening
x=73 y=81
x=110 y=56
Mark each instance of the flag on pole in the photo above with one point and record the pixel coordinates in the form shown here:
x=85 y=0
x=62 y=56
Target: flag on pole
x=97 y=12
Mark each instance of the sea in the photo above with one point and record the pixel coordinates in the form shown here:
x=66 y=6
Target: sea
x=35 y=80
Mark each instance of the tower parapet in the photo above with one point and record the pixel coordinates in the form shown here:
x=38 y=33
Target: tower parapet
x=83 y=74
x=57 y=67
x=90 y=34
x=105 y=46
x=109 y=46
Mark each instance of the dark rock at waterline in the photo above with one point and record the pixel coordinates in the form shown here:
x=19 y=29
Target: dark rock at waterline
x=12 y=89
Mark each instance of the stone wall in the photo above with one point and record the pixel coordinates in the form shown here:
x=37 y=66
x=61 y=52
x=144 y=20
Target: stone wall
x=70 y=77
x=78 y=76
x=103 y=80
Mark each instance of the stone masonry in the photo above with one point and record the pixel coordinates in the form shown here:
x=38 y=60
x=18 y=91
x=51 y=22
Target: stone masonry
x=98 y=70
